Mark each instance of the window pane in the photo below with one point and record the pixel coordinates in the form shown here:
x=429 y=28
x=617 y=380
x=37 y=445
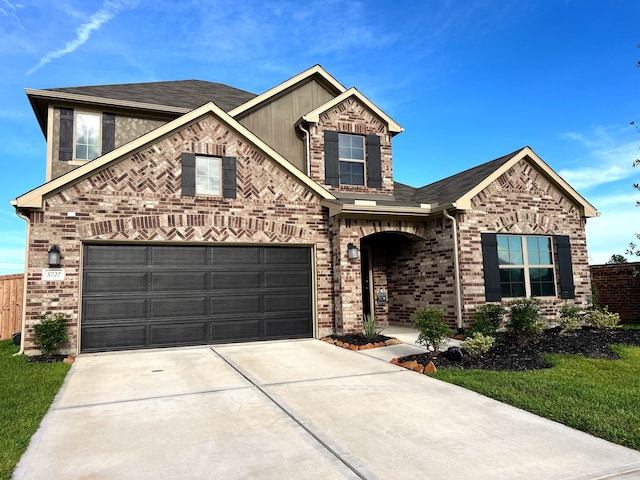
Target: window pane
x=351 y=173
x=510 y=250
x=92 y=152
x=207 y=176
x=351 y=147
x=512 y=282
x=541 y=282
x=539 y=250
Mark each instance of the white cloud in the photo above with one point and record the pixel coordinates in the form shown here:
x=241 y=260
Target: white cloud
x=11 y=260
x=607 y=160
x=612 y=232
x=9 y=9
x=83 y=32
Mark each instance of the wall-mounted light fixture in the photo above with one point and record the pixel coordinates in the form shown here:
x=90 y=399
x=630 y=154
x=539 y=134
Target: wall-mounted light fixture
x=53 y=256
x=352 y=252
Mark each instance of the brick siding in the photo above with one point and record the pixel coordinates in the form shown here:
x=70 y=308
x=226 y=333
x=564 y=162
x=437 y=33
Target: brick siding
x=616 y=286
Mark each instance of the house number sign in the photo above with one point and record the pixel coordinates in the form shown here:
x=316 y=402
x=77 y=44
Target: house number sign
x=52 y=274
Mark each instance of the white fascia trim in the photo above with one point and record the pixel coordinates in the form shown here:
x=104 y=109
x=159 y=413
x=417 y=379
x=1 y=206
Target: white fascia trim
x=314 y=115
x=315 y=70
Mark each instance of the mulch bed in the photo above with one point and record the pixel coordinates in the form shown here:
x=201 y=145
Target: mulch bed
x=357 y=341
x=506 y=355
x=55 y=358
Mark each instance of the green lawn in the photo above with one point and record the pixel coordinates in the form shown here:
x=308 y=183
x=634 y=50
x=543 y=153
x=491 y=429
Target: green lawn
x=601 y=397
x=27 y=390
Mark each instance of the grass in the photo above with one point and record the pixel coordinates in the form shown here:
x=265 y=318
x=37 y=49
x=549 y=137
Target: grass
x=600 y=397
x=27 y=391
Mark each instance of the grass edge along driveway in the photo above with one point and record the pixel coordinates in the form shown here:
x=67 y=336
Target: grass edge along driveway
x=600 y=397
x=27 y=392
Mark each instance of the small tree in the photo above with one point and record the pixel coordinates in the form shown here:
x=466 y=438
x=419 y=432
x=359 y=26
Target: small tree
x=525 y=322
x=617 y=258
x=434 y=330
x=487 y=319
x=51 y=333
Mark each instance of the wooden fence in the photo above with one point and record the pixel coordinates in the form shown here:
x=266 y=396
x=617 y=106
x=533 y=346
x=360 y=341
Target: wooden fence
x=11 y=287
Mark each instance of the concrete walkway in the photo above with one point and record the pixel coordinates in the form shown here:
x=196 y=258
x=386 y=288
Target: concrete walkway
x=295 y=409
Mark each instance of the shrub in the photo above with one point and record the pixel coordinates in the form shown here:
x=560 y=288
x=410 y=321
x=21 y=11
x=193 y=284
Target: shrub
x=570 y=317
x=603 y=319
x=478 y=344
x=51 y=333
x=525 y=323
x=434 y=331
x=370 y=330
x=487 y=319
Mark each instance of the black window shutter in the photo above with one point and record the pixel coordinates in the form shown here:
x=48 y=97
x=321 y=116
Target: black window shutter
x=374 y=162
x=565 y=267
x=188 y=175
x=229 y=177
x=108 y=132
x=331 y=158
x=65 y=149
x=492 y=290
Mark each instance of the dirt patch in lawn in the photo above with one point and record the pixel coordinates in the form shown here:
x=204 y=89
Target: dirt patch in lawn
x=507 y=355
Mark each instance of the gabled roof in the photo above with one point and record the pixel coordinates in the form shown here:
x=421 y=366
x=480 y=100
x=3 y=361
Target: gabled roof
x=314 y=116
x=35 y=197
x=316 y=72
x=460 y=189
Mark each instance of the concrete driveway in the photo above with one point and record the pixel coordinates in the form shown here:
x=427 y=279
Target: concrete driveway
x=295 y=409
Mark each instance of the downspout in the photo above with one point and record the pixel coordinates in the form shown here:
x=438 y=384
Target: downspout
x=456 y=268
x=23 y=329
x=307 y=136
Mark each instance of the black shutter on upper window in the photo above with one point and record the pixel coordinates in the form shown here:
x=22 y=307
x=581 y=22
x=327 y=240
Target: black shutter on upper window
x=65 y=148
x=108 y=132
x=188 y=175
x=331 y=158
x=374 y=162
x=229 y=177
x=492 y=290
x=565 y=267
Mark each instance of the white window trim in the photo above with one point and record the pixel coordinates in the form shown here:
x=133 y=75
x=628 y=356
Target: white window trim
x=220 y=186
x=81 y=161
x=351 y=160
x=526 y=266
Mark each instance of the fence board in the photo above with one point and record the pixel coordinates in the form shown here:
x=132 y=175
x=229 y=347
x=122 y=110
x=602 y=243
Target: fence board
x=11 y=291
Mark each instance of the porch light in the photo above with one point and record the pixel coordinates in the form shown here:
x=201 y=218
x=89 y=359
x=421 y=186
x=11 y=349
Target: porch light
x=352 y=251
x=53 y=256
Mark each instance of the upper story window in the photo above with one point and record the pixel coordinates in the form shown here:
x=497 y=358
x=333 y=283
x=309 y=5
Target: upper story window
x=526 y=266
x=352 y=159
x=208 y=175
x=87 y=144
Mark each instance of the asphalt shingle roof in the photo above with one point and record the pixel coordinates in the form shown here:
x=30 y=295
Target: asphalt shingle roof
x=179 y=93
x=450 y=189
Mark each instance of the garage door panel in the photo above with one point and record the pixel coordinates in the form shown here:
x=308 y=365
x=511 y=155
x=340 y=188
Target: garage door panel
x=175 y=281
x=178 y=333
x=287 y=303
x=235 y=305
x=287 y=256
x=106 y=255
x=143 y=296
x=235 y=280
x=287 y=279
x=113 y=337
x=180 y=256
x=236 y=255
x=288 y=326
x=178 y=307
x=114 y=309
x=247 y=329
x=108 y=282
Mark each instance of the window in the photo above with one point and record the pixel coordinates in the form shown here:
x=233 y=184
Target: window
x=87 y=136
x=526 y=266
x=351 y=155
x=208 y=173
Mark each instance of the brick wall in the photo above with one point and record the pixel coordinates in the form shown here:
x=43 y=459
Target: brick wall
x=139 y=199
x=616 y=287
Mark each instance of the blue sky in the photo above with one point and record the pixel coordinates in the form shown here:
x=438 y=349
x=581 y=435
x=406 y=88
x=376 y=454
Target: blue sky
x=469 y=80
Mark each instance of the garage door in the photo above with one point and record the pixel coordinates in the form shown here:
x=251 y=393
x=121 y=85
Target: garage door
x=145 y=296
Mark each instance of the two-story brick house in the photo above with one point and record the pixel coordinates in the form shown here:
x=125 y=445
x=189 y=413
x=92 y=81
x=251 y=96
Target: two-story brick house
x=191 y=212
